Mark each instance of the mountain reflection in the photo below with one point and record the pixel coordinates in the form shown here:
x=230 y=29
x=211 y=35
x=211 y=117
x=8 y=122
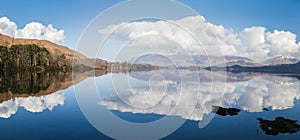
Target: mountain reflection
x=252 y=92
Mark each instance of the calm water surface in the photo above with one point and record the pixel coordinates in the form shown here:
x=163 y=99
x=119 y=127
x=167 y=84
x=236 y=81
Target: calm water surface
x=215 y=105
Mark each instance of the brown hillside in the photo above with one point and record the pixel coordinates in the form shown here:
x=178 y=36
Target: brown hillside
x=53 y=48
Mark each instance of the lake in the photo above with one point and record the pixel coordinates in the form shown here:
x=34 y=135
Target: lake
x=164 y=103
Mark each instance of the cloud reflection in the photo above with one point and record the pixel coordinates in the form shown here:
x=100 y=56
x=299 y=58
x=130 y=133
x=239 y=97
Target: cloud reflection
x=31 y=104
x=250 y=93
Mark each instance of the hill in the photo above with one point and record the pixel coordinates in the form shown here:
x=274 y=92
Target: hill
x=18 y=53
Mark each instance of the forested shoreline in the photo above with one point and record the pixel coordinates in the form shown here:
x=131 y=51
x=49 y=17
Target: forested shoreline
x=32 y=58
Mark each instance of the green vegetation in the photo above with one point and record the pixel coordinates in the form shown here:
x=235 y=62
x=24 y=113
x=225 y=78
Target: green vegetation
x=30 y=57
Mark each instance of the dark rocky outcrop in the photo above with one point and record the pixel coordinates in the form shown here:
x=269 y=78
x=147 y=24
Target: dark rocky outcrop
x=225 y=111
x=279 y=125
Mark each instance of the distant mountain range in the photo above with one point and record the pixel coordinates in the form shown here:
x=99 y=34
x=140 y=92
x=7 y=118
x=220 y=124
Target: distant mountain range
x=281 y=60
x=235 y=64
x=281 y=68
x=186 y=60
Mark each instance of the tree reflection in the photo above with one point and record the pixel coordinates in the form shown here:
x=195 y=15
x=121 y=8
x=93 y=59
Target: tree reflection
x=24 y=83
x=29 y=82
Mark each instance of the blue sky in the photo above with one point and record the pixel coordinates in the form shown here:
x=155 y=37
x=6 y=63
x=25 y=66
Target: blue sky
x=273 y=14
x=69 y=15
x=73 y=15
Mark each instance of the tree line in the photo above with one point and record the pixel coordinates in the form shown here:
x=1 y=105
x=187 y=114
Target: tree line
x=30 y=57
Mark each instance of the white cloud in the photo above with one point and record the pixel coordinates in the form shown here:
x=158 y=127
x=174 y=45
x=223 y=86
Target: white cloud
x=7 y=27
x=212 y=37
x=282 y=43
x=254 y=42
x=33 y=30
x=260 y=44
